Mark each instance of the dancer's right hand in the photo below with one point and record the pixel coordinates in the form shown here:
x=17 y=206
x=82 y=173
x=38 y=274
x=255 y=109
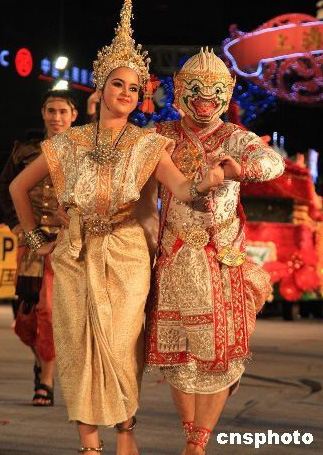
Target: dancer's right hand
x=46 y=248
x=62 y=216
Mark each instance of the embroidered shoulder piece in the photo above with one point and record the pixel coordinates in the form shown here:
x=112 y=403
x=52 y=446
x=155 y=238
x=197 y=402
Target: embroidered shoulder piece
x=216 y=139
x=172 y=129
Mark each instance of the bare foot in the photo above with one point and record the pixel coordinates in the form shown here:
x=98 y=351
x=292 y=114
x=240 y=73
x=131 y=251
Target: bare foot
x=126 y=444
x=192 y=449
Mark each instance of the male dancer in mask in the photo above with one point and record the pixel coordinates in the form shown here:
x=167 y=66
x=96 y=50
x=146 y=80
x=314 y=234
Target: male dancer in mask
x=206 y=293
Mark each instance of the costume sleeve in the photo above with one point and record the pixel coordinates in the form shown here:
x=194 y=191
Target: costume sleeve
x=59 y=155
x=152 y=146
x=259 y=162
x=9 y=172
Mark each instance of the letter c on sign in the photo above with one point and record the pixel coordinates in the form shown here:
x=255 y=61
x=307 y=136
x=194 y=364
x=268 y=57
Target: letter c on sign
x=3 y=55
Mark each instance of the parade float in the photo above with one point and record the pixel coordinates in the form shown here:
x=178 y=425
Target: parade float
x=284 y=234
x=282 y=59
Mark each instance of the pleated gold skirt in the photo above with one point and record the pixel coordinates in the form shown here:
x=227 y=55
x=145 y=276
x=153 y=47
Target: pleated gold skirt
x=98 y=315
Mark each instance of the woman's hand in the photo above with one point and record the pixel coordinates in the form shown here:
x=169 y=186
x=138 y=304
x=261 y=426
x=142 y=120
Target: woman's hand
x=46 y=248
x=232 y=169
x=62 y=216
x=92 y=101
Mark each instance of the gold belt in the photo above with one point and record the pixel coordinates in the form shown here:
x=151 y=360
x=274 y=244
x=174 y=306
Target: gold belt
x=96 y=227
x=198 y=237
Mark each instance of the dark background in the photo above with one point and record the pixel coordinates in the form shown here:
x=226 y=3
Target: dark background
x=79 y=29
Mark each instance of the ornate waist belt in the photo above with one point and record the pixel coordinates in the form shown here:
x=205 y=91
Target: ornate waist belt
x=197 y=237
x=95 y=227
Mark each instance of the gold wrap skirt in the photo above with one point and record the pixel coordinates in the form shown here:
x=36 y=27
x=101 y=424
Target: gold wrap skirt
x=100 y=289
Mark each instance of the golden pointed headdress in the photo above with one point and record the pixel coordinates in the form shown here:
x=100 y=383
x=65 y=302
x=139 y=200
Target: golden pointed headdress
x=122 y=52
x=207 y=65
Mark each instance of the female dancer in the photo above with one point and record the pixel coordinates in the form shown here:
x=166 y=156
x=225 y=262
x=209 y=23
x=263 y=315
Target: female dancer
x=101 y=262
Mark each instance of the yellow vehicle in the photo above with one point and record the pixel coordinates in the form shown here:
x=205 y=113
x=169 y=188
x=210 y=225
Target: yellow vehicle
x=8 y=262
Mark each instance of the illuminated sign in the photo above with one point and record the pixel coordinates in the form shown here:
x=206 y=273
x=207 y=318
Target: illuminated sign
x=284 y=56
x=24 y=62
x=313 y=157
x=248 y=52
x=75 y=74
x=3 y=58
x=81 y=78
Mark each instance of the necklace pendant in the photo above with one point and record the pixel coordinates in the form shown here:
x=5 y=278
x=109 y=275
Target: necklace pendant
x=103 y=155
x=105 y=152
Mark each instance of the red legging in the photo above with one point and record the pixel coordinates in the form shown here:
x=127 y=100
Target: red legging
x=35 y=329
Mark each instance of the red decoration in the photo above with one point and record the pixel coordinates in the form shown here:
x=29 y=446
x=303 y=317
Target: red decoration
x=24 y=62
x=277 y=270
x=288 y=290
x=295 y=268
x=151 y=86
x=296 y=183
x=306 y=278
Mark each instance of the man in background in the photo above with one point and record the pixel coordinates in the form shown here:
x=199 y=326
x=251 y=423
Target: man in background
x=33 y=323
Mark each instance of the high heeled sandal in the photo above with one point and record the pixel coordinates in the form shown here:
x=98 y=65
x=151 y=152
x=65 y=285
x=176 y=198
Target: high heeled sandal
x=121 y=429
x=199 y=436
x=84 y=449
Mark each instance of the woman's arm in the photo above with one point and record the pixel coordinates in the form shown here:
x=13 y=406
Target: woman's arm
x=169 y=175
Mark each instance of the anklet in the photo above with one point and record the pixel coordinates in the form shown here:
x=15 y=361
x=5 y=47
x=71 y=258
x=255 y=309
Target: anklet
x=188 y=427
x=84 y=449
x=199 y=436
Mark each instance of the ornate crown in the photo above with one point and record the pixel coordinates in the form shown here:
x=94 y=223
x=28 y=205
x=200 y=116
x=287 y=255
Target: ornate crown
x=206 y=65
x=121 y=52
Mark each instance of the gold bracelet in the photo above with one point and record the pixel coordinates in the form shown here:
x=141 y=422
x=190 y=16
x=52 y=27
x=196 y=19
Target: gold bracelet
x=36 y=238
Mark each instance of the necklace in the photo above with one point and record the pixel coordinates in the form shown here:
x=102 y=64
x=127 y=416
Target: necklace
x=105 y=152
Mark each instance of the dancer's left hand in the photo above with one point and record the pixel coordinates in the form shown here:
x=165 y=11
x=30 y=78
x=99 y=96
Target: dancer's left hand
x=213 y=178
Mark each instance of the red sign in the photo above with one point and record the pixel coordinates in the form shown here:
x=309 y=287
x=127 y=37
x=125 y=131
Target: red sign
x=24 y=62
x=284 y=56
x=249 y=51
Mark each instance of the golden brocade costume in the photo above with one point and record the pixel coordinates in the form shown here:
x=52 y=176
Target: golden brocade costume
x=102 y=270
x=206 y=293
